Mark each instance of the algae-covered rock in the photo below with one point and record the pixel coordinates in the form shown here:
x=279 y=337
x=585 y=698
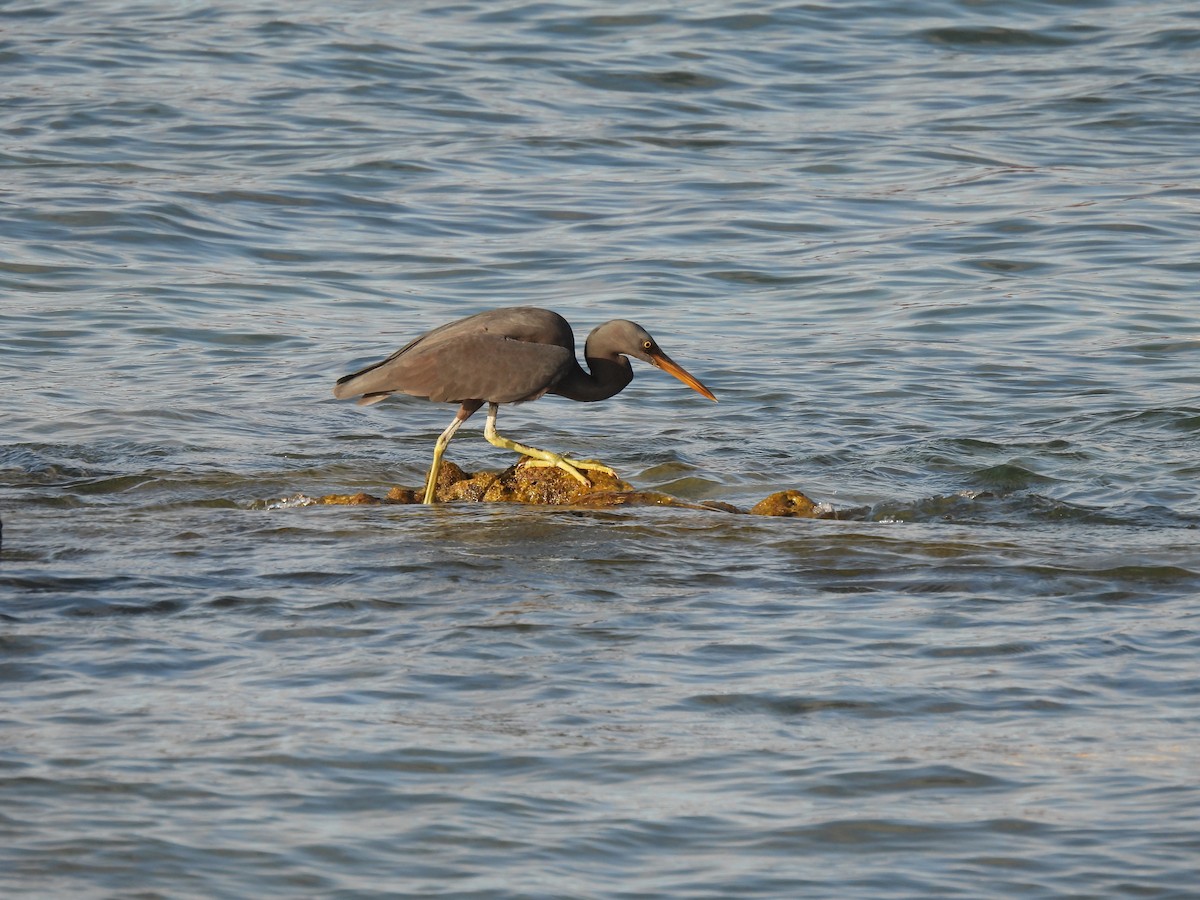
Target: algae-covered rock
x=608 y=499
x=516 y=484
x=539 y=484
x=554 y=487
x=359 y=499
x=403 y=495
x=789 y=504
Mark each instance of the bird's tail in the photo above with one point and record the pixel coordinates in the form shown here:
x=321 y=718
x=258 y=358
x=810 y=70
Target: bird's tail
x=362 y=382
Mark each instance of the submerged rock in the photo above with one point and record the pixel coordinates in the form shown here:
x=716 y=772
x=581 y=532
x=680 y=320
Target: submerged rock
x=554 y=487
x=789 y=504
x=359 y=499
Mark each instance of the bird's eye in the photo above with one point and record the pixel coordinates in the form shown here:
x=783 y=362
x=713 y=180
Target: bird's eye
x=647 y=345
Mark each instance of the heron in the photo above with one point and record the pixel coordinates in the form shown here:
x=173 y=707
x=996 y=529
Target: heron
x=511 y=355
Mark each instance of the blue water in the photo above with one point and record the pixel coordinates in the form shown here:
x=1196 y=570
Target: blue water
x=936 y=259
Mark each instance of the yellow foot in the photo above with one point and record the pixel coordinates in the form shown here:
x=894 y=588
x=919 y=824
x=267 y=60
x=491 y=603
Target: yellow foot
x=568 y=465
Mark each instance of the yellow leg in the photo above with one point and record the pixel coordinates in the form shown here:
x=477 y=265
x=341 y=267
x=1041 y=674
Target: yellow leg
x=535 y=457
x=439 y=448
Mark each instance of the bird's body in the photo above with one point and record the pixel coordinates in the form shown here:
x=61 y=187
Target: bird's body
x=510 y=355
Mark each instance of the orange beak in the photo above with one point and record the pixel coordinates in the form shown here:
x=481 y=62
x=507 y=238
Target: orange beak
x=671 y=367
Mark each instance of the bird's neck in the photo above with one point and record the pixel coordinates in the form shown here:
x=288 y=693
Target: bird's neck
x=608 y=376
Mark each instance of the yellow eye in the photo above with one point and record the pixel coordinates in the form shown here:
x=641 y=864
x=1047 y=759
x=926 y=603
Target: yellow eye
x=647 y=345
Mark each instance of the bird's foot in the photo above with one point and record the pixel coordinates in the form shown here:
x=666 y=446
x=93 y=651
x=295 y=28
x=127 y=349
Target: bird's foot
x=571 y=466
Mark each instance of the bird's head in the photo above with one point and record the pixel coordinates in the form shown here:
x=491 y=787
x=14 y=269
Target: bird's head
x=633 y=340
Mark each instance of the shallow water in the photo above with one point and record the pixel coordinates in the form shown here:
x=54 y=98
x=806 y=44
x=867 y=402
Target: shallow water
x=937 y=261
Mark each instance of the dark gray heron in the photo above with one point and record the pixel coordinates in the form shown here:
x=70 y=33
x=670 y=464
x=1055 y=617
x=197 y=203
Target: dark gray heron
x=509 y=356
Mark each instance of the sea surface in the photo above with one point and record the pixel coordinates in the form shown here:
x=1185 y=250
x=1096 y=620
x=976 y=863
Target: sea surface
x=937 y=259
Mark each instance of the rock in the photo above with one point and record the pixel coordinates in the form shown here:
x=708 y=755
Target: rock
x=538 y=484
x=789 y=504
x=404 y=495
x=359 y=499
x=554 y=487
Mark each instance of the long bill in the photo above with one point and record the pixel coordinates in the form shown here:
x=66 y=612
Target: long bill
x=668 y=365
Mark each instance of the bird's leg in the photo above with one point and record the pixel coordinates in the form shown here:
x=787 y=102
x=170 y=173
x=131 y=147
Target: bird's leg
x=554 y=461
x=535 y=457
x=439 y=449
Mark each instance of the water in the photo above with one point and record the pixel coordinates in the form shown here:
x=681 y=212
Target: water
x=936 y=259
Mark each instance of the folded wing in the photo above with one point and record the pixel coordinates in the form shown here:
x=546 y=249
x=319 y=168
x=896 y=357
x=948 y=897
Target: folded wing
x=456 y=367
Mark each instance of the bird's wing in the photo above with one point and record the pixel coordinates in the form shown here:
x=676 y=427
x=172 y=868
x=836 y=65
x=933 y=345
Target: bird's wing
x=478 y=366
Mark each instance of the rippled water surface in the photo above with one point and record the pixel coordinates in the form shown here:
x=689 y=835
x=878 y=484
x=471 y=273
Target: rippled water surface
x=938 y=260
